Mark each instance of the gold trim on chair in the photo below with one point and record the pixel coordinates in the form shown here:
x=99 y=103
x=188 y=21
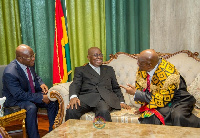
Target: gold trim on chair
x=190 y=54
x=60 y=115
x=163 y=55
x=20 y=115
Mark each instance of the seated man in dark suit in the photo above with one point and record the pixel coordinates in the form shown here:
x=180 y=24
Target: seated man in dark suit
x=162 y=92
x=24 y=88
x=94 y=88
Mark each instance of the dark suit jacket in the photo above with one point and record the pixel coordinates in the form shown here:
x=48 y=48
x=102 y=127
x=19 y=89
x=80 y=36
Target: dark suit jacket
x=16 y=87
x=89 y=86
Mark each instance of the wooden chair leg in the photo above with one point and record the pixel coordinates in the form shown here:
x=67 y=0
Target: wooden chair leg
x=24 y=128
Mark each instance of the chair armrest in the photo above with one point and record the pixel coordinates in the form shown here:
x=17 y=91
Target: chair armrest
x=60 y=92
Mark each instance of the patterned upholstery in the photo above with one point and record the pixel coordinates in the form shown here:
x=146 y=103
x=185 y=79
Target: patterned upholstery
x=121 y=116
x=125 y=66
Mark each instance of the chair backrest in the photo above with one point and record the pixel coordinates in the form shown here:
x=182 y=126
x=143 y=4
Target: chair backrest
x=2 y=67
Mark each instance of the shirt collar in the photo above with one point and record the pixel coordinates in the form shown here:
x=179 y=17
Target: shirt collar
x=93 y=66
x=22 y=66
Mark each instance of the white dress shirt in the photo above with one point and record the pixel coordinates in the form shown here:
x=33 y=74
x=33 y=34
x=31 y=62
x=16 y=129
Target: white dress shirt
x=25 y=71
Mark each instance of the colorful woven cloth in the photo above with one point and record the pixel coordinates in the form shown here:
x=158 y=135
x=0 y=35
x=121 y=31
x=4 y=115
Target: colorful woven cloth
x=146 y=112
x=165 y=80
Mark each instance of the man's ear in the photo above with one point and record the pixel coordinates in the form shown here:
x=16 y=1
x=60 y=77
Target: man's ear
x=19 y=59
x=88 y=57
x=150 y=65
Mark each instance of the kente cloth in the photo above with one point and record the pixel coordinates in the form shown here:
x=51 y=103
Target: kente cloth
x=165 y=80
x=146 y=112
x=30 y=80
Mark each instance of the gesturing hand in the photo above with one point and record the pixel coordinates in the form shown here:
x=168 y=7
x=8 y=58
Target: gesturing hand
x=130 y=89
x=72 y=102
x=125 y=106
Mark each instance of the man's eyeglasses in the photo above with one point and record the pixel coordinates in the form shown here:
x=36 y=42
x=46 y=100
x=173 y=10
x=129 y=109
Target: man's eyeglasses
x=30 y=58
x=98 y=55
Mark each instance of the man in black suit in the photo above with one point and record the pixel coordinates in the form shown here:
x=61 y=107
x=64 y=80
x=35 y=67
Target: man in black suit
x=24 y=88
x=94 y=88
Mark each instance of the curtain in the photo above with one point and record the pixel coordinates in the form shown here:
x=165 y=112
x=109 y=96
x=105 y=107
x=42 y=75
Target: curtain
x=127 y=26
x=10 y=34
x=37 y=26
x=86 y=28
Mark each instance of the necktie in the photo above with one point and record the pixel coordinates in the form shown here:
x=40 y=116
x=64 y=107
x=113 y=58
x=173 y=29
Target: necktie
x=148 y=82
x=30 y=80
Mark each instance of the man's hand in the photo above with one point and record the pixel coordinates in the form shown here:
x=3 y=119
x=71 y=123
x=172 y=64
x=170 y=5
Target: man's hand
x=44 y=88
x=137 y=112
x=72 y=102
x=46 y=99
x=130 y=89
x=125 y=106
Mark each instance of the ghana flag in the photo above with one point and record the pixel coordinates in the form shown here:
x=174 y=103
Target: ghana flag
x=61 y=68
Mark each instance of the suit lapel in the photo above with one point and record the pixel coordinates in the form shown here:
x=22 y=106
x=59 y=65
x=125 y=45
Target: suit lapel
x=22 y=74
x=90 y=70
x=20 y=70
x=103 y=71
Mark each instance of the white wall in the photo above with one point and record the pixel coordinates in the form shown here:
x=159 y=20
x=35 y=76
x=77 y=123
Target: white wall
x=175 y=25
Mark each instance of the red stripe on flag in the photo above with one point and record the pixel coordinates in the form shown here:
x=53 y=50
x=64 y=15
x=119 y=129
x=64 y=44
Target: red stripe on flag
x=59 y=52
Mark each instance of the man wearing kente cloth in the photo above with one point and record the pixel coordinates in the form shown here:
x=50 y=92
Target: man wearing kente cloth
x=162 y=93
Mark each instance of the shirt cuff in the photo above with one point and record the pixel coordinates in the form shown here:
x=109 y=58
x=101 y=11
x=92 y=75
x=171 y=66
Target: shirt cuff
x=134 y=95
x=73 y=96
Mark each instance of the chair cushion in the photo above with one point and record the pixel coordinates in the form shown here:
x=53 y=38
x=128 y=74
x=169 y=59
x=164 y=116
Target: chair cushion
x=187 y=66
x=125 y=69
x=194 y=89
x=122 y=116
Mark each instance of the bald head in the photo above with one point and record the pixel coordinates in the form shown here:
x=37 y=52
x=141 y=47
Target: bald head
x=147 y=60
x=92 y=49
x=22 y=49
x=95 y=56
x=25 y=55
